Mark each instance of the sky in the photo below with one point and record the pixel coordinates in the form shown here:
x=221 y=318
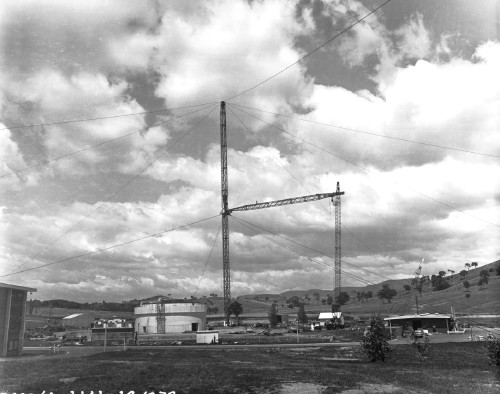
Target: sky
x=109 y=139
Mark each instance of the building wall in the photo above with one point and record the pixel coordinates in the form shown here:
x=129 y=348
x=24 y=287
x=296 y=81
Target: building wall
x=12 y=311
x=178 y=317
x=113 y=336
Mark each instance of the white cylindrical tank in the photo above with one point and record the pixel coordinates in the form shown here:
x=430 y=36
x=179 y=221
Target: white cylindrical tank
x=177 y=316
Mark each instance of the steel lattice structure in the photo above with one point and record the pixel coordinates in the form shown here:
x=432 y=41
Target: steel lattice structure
x=338 y=245
x=160 y=317
x=286 y=201
x=225 y=212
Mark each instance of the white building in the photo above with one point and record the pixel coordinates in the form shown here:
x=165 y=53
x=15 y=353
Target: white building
x=170 y=316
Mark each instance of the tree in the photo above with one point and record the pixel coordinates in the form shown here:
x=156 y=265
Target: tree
x=323 y=301
x=369 y=294
x=438 y=282
x=316 y=296
x=374 y=343
x=473 y=264
x=301 y=315
x=386 y=293
x=485 y=275
x=498 y=269
x=273 y=315
x=359 y=296
x=294 y=301
x=235 y=308
x=480 y=283
x=407 y=288
x=466 y=285
x=329 y=299
x=463 y=273
x=343 y=298
x=468 y=266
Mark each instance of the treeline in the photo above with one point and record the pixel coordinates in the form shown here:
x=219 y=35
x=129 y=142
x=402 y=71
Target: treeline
x=127 y=306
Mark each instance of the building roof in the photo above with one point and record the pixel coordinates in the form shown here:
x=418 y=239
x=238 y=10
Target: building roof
x=329 y=315
x=73 y=315
x=421 y=316
x=14 y=287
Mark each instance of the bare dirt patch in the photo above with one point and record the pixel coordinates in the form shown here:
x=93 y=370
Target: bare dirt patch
x=301 y=388
x=375 y=388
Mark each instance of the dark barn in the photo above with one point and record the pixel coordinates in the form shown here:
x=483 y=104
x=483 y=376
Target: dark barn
x=12 y=318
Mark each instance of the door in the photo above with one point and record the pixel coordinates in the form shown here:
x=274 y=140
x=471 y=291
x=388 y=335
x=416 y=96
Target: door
x=194 y=326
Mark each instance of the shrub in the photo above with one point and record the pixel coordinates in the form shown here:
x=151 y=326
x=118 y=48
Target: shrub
x=493 y=350
x=421 y=346
x=374 y=343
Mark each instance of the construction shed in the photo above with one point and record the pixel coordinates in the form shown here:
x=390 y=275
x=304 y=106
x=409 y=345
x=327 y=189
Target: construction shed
x=12 y=318
x=210 y=337
x=77 y=320
x=427 y=321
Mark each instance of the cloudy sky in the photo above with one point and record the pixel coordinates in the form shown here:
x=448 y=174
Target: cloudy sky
x=403 y=110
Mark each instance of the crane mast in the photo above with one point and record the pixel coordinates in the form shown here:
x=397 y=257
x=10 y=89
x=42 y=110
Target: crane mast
x=338 y=248
x=226 y=273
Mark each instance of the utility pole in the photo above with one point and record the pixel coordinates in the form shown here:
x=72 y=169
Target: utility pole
x=226 y=273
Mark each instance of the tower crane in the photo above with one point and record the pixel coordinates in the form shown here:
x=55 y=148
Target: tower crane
x=226 y=212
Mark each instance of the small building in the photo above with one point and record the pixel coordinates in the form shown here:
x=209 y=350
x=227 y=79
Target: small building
x=210 y=337
x=427 y=321
x=80 y=320
x=327 y=318
x=12 y=318
x=112 y=332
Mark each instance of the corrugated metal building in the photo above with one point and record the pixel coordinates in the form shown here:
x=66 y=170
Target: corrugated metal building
x=432 y=322
x=77 y=320
x=12 y=318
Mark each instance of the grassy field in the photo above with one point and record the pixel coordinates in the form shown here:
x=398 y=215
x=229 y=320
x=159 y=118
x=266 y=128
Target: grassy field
x=451 y=368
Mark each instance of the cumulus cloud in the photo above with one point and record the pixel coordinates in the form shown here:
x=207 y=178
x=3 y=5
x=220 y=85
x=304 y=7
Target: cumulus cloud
x=403 y=201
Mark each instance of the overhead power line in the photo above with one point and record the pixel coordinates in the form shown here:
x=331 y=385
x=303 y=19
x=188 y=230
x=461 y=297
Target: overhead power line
x=110 y=247
x=296 y=251
x=104 y=117
x=309 y=53
x=99 y=144
x=208 y=259
x=311 y=249
x=111 y=196
x=366 y=170
x=370 y=133
x=306 y=189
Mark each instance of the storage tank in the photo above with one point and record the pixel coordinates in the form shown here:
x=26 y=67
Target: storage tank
x=166 y=316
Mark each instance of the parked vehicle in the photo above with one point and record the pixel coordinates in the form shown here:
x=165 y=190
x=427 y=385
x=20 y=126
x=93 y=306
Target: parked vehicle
x=419 y=333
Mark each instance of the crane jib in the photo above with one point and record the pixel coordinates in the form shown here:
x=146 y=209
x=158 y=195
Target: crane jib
x=287 y=201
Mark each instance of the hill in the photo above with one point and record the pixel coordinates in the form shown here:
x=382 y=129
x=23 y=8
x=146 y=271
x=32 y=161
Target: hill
x=482 y=299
